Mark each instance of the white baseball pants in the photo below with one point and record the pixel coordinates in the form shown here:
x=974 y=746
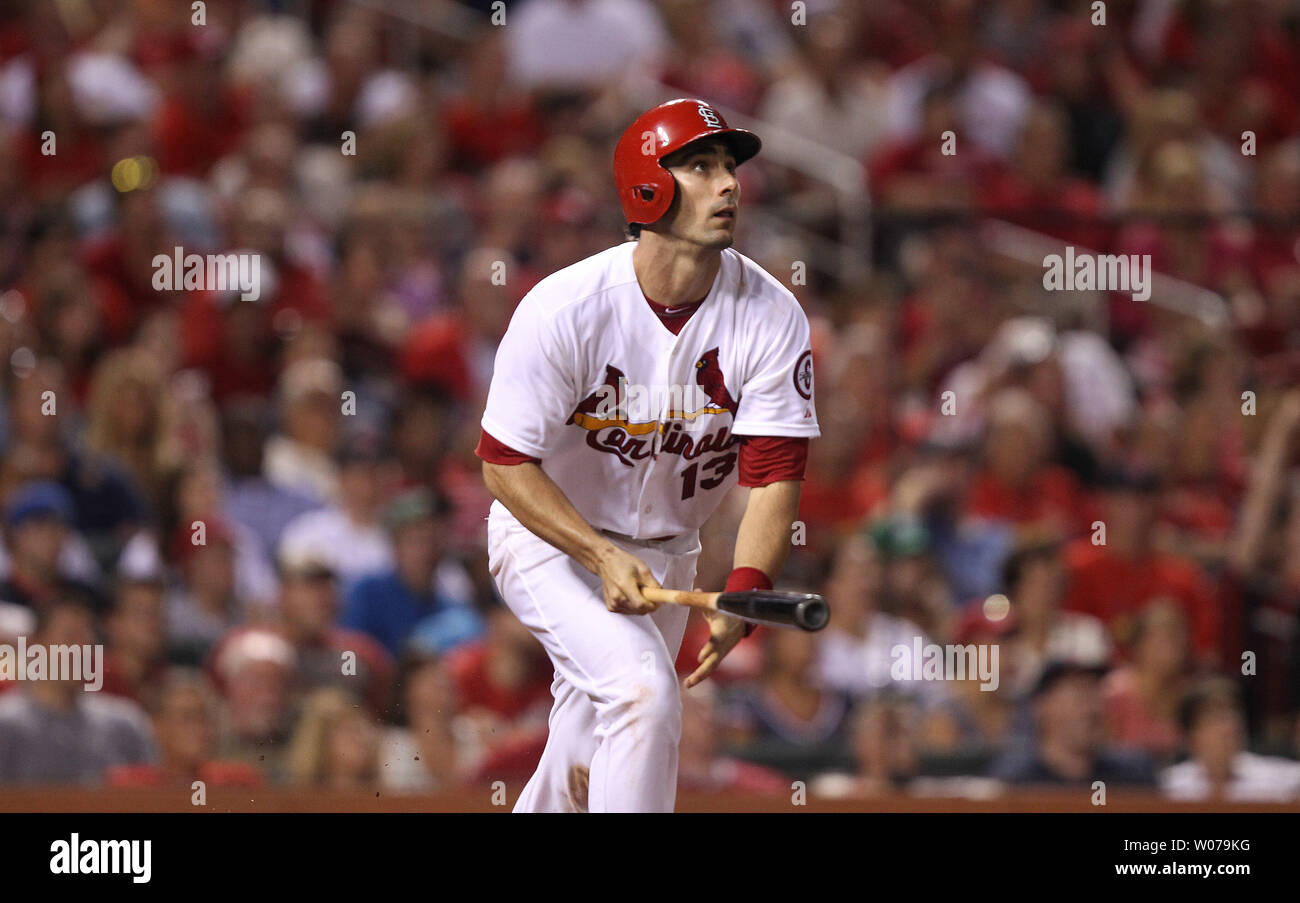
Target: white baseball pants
x=616 y=720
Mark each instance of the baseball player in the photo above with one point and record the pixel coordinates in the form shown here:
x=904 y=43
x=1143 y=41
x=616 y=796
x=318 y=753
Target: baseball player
x=631 y=391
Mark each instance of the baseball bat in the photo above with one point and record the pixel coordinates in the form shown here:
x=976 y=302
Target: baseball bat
x=772 y=608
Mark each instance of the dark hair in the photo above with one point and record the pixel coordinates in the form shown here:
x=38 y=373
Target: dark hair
x=70 y=596
x=411 y=661
x=633 y=231
x=1211 y=692
x=1029 y=550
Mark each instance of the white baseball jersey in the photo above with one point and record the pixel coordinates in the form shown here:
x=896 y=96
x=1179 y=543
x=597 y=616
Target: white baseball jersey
x=638 y=426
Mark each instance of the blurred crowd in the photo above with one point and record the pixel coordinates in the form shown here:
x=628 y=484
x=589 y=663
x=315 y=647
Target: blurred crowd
x=269 y=511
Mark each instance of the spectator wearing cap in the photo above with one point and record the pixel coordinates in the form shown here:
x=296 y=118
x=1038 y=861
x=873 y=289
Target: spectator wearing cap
x=349 y=534
x=300 y=457
x=254 y=672
x=184 y=716
x=1114 y=580
x=1034 y=581
x=1142 y=696
x=1068 y=744
x=1219 y=767
x=324 y=655
x=54 y=731
x=425 y=597
x=914 y=587
x=971 y=718
x=38 y=526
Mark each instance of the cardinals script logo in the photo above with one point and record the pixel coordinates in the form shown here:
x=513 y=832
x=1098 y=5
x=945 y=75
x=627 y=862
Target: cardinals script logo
x=634 y=421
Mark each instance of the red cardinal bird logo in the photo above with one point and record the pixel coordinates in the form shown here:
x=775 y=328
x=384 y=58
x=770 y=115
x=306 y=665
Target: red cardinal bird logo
x=708 y=376
x=608 y=405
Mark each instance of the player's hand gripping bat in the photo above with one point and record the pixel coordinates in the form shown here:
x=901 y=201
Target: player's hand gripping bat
x=769 y=607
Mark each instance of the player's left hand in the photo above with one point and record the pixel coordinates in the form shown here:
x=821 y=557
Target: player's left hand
x=724 y=633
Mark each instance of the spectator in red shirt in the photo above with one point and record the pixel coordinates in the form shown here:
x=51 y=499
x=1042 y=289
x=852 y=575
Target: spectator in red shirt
x=505 y=679
x=490 y=120
x=1115 y=580
x=185 y=730
x=1016 y=483
x=1142 y=698
x=200 y=119
x=1038 y=192
x=916 y=174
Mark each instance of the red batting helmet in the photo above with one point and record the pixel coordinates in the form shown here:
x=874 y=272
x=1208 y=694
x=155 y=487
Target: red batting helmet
x=645 y=187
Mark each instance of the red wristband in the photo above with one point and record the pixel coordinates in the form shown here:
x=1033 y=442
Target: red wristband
x=742 y=579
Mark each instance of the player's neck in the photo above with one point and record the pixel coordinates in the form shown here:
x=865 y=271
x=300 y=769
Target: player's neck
x=674 y=272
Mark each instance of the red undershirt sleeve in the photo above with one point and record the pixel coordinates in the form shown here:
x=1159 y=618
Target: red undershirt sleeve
x=494 y=451
x=770 y=459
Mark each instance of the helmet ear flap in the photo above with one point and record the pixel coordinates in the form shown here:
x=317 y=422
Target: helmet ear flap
x=645 y=192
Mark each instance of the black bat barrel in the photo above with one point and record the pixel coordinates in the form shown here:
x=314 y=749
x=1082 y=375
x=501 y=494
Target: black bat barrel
x=764 y=606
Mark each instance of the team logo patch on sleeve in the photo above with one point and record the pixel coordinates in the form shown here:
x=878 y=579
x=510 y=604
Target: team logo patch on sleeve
x=803 y=375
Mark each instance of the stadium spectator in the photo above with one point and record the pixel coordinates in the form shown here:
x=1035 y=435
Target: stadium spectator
x=348 y=535
x=335 y=744
x=252 y=500
x=185 y=725
x=1068 y=747
x=1219 y=766
x=423 y=751
x=854 y=653
x=325 y=655
x=975 y=715
x=884 y=737
x=55 y=731
x=1113 y=581
x=1142 y=697
x=254 y=675
x=503 y=681
x=300 y=459
x=37 y=525
x=135 y=656
x=701 y=765
x=426 y=598
x=786 y=720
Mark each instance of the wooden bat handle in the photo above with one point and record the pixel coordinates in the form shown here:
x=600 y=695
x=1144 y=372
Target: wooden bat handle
x=681 y=597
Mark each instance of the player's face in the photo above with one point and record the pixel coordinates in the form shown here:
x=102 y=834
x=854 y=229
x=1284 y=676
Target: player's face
x=707 y=202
